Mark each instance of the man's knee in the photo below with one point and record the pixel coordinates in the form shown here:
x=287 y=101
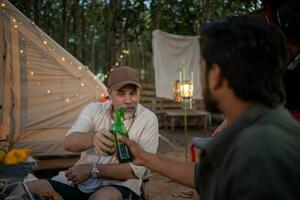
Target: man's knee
x=39 y=186
x=106 y=193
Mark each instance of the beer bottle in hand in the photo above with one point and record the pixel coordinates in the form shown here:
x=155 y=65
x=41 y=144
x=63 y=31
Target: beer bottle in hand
x=118 y=128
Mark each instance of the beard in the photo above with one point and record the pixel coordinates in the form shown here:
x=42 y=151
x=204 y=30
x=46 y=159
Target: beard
x=210 y=102
x=130 y=113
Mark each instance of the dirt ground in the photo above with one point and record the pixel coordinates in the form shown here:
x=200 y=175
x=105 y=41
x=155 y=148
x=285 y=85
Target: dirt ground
x=162 y=188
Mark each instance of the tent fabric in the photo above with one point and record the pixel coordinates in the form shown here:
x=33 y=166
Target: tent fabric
x=44 y=142
x=42 y=86
x=169 y=53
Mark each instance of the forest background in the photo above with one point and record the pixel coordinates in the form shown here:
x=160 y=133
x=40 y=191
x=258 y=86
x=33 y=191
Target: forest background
x=104 y=34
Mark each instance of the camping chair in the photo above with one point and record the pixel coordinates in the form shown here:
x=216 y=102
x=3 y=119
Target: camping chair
x=199 y=143
x=145 y=179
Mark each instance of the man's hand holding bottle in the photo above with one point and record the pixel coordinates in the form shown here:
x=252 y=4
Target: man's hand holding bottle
x=104 y=141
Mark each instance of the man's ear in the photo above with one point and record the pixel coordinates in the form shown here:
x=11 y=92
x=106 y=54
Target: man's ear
x=215 y=77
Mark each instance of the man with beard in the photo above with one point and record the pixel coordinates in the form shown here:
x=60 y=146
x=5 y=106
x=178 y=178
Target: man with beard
x=257 y=155
x=98 y=174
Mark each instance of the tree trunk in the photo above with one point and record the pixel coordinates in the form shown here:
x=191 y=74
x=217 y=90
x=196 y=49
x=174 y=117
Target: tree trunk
x=82 y=43
x=37 y=12
x=76 y=29
x=64 y=25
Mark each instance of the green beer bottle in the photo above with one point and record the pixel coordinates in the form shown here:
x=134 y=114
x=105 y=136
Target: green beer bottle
x=118 y=128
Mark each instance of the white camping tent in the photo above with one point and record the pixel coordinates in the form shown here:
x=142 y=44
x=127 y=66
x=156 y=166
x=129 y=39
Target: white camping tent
x=42 y=87
x=169 y=53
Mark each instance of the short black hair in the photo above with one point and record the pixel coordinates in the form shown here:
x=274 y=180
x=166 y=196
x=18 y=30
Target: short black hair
x=252 y=56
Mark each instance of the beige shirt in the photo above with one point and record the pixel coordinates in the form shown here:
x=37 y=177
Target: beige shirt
x=143 y=130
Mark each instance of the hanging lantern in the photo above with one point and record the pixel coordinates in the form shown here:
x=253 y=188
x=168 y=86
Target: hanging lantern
x=186 y=92
x=186 y=89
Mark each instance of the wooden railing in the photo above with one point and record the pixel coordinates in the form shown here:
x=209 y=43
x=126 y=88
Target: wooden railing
x=170 y=113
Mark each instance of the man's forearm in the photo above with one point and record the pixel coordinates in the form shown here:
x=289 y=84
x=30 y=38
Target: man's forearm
x=122 y=171
x=78 y=142
x=181 y=172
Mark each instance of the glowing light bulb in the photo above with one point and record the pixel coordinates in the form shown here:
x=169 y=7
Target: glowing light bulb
x=105 y=76
x=32 y=22
x=45 y=42
x=3 y=4
x=80 y=68
x=48 y=91
x=81 y=84
x=63 y=58
x=31 y=73
x=67 y=100
x=14 y=20
x=117 y=64
x=121 y=56
x=21 y=51
x=15 y=26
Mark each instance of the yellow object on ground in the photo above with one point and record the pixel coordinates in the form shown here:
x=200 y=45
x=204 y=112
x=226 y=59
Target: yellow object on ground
x=16 y=156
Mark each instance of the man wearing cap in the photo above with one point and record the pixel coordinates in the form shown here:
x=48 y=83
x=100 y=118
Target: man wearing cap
x=98 y=174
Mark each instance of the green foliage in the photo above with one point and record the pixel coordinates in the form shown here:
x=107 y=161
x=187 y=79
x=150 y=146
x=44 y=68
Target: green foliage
x=96 y=31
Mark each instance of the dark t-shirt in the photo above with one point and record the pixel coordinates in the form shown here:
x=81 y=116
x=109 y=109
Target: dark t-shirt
x=256 y=157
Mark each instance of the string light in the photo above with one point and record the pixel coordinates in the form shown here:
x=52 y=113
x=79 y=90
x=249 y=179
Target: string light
x=45 y=42
x=121 y=56
x=3 y=5
x=117 y=64
x=125 y=51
